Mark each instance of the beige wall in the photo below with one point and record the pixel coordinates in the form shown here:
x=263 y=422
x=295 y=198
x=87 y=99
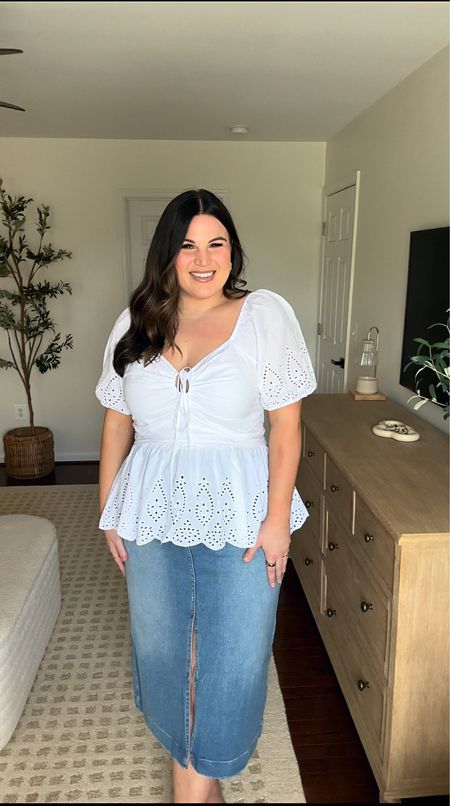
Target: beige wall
x=400 y=145
x=274 y=197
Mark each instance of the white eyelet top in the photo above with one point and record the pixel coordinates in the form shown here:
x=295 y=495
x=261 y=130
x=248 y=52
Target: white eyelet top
x=198 y=469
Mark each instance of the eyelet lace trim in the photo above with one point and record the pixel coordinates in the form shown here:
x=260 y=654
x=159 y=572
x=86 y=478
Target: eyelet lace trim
x=288 y=380
x=206 y=516
x=111 y=394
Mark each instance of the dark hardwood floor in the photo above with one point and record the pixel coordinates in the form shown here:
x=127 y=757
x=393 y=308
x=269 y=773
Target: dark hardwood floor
x=332 y=761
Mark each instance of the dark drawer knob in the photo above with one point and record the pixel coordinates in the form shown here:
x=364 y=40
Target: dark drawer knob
x=368 y=538
x=311 y=453
x=330 y=612
x=334 y=488
x=362 y=684
x=308 y=561
x=365 y=606
x=333 y=546
x=309 y=504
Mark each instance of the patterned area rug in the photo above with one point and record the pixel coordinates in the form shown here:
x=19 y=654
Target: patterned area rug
x=80 y=737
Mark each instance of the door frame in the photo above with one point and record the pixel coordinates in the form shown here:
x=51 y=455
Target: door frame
x=350 y=180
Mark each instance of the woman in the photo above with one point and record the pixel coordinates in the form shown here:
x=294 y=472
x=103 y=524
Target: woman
x=197 y=509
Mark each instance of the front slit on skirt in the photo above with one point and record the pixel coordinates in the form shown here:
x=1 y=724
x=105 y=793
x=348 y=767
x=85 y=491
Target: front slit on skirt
x=172 y=591
x=192 y=685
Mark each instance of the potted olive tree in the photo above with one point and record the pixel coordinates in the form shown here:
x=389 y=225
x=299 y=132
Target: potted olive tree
x=24 y=315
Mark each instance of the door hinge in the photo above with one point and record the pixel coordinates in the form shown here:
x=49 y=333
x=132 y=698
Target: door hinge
x=319 y=329
x=324 y=227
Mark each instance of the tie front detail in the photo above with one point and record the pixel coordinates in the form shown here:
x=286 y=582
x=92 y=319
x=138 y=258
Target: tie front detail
x=182 y=408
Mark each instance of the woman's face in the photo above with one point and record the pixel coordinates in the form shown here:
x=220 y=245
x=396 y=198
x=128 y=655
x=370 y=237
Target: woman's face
x=203 y=262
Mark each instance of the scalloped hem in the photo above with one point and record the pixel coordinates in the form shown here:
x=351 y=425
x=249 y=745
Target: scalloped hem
x=298 y=518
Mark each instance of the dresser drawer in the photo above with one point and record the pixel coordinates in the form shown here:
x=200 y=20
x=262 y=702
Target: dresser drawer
x=354 y=669
x=374 y=544
x=305 y=554
x=306 y=542
x=335 y=534
x=313 y=455
x=367 y=608
x=310 y=489
x=338 y=493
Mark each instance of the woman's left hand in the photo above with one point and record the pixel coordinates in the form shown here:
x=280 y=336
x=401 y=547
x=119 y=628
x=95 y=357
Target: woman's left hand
x=274 y=539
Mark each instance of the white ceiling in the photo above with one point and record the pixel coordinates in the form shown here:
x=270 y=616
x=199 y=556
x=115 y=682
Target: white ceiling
x=189 y=70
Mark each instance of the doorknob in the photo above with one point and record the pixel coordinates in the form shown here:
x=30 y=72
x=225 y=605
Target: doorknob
x=339 y=363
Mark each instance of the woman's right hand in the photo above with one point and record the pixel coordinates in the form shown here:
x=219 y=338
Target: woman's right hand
x=116 y=548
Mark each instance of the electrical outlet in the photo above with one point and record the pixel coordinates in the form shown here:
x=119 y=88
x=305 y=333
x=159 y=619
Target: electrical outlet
x=20 y=409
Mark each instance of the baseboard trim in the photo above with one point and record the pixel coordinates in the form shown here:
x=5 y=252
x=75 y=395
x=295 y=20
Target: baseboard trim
x=68 y=458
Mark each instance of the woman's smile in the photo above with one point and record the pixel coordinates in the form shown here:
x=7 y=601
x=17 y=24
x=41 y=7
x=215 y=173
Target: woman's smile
x=202 y=277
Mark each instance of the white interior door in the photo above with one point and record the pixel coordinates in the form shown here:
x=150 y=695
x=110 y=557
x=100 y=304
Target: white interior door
x=142 y=217
x=335 y=291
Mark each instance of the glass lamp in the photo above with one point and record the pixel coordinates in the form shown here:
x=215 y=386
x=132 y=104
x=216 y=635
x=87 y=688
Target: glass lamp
x=367 y=384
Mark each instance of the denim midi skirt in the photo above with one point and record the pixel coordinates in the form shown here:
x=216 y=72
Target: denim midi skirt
x=172 y=591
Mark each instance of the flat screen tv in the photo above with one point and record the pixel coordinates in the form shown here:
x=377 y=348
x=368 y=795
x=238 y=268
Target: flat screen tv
x=427 y=301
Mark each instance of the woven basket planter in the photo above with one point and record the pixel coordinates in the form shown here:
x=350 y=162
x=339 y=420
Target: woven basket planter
x=29 y=452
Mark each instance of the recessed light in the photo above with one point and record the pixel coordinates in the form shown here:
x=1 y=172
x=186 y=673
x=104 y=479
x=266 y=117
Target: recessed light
x=239 y=129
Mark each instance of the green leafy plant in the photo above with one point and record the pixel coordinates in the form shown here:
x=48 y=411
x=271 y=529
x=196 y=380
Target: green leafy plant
x=20 y=263
x=434 y=357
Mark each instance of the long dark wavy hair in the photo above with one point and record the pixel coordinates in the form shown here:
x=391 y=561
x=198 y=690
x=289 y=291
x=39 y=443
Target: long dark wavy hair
x=154 y=303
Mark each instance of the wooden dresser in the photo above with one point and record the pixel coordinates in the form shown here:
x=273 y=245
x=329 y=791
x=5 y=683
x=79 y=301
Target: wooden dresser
x=373 y=561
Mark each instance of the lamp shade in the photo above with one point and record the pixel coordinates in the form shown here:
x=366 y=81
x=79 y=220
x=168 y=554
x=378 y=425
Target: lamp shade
x=369 y=354
x=367 y=381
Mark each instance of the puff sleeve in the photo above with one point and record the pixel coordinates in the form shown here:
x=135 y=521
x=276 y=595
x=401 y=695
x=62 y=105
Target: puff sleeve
x=109 y=388
x=285 y=371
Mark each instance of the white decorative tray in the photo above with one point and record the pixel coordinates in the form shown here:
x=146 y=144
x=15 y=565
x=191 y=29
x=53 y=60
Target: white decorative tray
x=395 y=429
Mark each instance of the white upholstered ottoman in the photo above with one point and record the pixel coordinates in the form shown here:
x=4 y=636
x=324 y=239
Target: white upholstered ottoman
x=30 y=600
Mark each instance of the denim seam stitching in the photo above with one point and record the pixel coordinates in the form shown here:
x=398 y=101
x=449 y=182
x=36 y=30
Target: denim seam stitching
x=231 y=760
